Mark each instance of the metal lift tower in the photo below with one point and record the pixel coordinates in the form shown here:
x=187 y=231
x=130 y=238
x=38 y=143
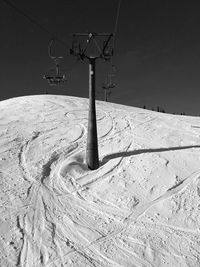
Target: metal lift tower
x=107 y=86
x=103 y=51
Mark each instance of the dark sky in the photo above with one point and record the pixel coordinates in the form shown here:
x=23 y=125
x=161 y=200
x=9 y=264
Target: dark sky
x=157 y=54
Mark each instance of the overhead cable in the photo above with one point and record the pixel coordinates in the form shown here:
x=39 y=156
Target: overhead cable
x=35 y=22
x=116 y=23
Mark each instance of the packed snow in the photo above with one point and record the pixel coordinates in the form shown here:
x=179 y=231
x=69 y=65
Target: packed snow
x=140 y=208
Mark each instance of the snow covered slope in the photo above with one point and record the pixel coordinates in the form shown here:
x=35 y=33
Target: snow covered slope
x=140 y=208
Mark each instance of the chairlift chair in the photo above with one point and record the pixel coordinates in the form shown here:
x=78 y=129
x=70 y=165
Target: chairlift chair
x=57 y=78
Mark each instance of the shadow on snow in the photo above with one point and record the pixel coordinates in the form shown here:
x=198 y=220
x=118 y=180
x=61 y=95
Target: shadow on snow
x=141 y=151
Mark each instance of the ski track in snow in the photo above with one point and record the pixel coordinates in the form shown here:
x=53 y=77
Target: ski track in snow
x=71 y=216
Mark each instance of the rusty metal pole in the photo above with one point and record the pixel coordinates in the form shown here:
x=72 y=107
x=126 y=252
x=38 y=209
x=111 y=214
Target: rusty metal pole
x=92 y=156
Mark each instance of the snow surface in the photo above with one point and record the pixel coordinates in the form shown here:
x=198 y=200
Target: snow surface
x=140 y=208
